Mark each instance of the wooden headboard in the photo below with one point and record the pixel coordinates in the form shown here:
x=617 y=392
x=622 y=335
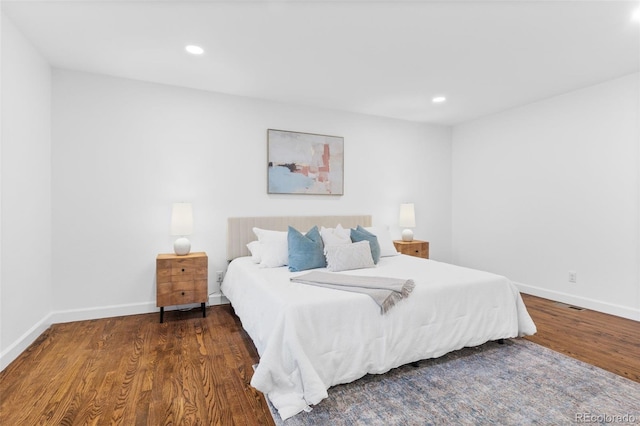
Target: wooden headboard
x=240 y=229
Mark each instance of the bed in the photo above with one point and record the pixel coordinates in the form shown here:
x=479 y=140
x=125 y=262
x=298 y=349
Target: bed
x=311 y=338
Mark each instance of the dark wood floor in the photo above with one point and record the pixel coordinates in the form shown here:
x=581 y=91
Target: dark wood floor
x=609 y=342
x=193 y=370
x=135 y=371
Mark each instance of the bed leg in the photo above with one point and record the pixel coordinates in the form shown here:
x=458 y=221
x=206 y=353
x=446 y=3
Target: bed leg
x=500 y=341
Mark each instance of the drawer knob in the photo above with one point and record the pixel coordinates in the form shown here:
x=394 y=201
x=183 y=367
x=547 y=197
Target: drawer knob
x=182 y=269
x=183 y=293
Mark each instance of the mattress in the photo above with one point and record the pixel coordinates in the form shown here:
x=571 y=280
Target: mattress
x=311 y=338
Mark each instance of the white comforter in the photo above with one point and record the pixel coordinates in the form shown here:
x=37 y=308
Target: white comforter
x=311 y=338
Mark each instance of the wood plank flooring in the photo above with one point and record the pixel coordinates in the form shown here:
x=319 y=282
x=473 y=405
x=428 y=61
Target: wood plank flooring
x=135 y=371
x=194 y=370
x=609 y=342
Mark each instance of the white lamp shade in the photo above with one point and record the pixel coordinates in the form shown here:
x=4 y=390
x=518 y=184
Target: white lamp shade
x=407 y=216
x=181 y=219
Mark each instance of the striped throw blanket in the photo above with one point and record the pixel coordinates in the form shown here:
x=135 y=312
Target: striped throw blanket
x=385 y=291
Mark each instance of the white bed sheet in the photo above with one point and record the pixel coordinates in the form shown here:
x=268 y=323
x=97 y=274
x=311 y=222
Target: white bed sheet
x=311 y=338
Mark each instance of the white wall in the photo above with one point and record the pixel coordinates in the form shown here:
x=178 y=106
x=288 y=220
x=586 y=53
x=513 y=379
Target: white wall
x=26 y=285
x=124 y=150
x=552 y=187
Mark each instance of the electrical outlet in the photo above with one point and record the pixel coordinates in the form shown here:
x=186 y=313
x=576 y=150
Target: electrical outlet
x=219 y=276
x=573 y=277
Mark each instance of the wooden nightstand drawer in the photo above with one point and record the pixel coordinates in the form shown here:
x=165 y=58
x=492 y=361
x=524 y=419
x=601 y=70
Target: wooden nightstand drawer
x=181 y=269
x=188 y=266
x=415 y=248
x=181 y=280
x=181 y=293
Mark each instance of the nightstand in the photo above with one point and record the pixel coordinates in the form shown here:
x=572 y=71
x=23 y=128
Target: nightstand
x=181 y=280
x=415 y=248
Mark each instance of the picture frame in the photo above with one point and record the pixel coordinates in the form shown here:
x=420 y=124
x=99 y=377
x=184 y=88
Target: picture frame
x=304 y=163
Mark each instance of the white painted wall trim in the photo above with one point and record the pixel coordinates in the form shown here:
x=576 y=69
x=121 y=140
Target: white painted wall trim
x=20 y=345
x=16 y=348
x=125 y=309
x=583 y=302
x=103 y=312
x=218 y=299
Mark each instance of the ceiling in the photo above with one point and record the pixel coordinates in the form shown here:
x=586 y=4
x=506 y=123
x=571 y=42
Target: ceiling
x=384 y=58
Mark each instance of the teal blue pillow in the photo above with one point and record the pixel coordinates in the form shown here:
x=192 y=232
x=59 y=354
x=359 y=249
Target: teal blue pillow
x=305 y=251
x=361 y=234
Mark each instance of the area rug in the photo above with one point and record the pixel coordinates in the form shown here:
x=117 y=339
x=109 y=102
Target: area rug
x=516 y=383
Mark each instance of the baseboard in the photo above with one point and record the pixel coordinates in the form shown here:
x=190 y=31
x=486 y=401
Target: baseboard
x=218 y=299
x=98 y=312
x=126 y=309
x=583 y=302
x=16 y=348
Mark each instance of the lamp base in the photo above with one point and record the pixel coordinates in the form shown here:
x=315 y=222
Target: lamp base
x=182 y=246
x=407 y=235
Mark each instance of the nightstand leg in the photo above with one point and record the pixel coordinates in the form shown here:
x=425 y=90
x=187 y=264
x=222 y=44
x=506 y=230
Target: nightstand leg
x=161 y=314
x=204 y=310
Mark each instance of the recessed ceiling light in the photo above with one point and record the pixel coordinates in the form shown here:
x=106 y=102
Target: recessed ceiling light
x=438 y=99
x=194 y=50
x=636 y=15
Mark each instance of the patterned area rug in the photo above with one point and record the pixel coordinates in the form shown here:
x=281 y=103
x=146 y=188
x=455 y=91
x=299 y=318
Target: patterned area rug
x=516 y=383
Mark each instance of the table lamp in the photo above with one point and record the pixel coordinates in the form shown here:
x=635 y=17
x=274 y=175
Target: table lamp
x=181 y=225
x=407 y=220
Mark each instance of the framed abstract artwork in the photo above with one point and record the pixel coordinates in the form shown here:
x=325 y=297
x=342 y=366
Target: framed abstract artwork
x=304 y=163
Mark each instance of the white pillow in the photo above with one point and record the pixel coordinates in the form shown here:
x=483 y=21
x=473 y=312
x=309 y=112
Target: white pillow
x=384 y=239
x=349 y=256
x=274 y=247
x=335 y=236
x=256 y=251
